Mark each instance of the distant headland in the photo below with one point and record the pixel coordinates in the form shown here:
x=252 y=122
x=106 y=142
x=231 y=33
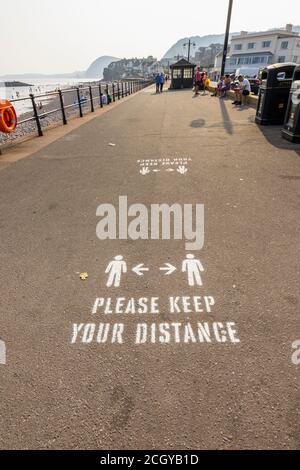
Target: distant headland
x=16 y=84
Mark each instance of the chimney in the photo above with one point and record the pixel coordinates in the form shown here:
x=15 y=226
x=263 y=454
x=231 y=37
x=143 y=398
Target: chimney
x=244 y=33
x=289 y=27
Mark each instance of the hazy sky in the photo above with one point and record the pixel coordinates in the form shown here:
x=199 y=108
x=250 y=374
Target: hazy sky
x=52 y=36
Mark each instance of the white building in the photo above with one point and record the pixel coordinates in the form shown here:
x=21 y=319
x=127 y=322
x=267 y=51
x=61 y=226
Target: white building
x=218 y=65
x=251 y=51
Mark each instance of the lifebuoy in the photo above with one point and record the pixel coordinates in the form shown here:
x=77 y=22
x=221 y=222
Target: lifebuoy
x=8 y=117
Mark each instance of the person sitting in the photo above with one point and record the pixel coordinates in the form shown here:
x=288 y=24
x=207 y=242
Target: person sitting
x=226 y=86
x=207 y=83
x=219 y=87
x=242 y=91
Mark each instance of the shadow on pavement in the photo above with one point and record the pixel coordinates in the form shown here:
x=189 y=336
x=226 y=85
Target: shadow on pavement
x=226 y=118
x=197 y=123
x=273 y=135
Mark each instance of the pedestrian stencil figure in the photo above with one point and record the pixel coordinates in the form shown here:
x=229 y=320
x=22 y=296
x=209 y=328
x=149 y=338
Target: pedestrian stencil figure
x=193 y=268
x=115 y=269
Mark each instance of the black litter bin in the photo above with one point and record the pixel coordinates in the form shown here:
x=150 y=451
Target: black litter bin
x=291 y=129
x=274 y=93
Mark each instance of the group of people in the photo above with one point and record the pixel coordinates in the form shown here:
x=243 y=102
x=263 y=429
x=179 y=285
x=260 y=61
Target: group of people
x=202 y=82
x=160 y=80
x=241 y=87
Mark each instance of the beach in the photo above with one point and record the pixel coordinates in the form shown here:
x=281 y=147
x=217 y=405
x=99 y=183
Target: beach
x=47 y=99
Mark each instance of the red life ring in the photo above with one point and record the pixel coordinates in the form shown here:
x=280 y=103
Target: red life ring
x=8 y=117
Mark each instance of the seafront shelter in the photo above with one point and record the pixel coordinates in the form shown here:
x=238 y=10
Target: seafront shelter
x=182 y=74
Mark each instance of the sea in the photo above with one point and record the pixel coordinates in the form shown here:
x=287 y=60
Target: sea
x=37 y=87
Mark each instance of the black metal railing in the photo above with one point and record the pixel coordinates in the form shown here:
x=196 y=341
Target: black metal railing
x=76 y=100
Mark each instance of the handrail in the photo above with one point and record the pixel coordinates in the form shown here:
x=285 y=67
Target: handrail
x=116 y=90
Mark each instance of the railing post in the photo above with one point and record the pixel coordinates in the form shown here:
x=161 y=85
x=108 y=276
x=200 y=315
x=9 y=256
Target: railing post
x=79 y=102
x=113 y=92
x=91 y=98
x=118 y=90
x=36 y=116
x=62 y=107
x=122 y=84
x=100 y=95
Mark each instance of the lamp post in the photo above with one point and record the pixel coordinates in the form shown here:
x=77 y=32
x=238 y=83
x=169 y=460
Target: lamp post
x=225 y=49
x=189 y=44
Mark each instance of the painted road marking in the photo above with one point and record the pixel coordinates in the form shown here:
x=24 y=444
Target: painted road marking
x=190 y=265
x=182 y=170
x=169 y=165
x=193 y=267
x=140 y=269
x=144 y=171
x=169 y=268
x=115 y=269
x=191 y=321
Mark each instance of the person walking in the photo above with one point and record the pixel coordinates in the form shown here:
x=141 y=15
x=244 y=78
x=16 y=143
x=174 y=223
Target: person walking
x=157 y=82
x=161 y=82
x=197 y=81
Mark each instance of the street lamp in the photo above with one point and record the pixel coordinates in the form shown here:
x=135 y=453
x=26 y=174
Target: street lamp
x=189 y=49
x=225 y=49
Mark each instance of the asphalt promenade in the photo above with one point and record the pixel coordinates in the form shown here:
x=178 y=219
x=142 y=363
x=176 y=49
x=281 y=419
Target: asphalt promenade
x=147 y=343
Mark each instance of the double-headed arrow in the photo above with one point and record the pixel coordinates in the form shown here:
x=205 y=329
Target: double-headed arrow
x=140 y=269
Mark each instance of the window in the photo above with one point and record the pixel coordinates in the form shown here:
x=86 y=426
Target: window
x=251 y=45
x=295 y=59
x=233 y=61
x=260 y=60
x=281 y=59
x=176 y=73
x=187 y=73
x=238 y=47
x=266 y=44
x=298 y=44
x=284 y=44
